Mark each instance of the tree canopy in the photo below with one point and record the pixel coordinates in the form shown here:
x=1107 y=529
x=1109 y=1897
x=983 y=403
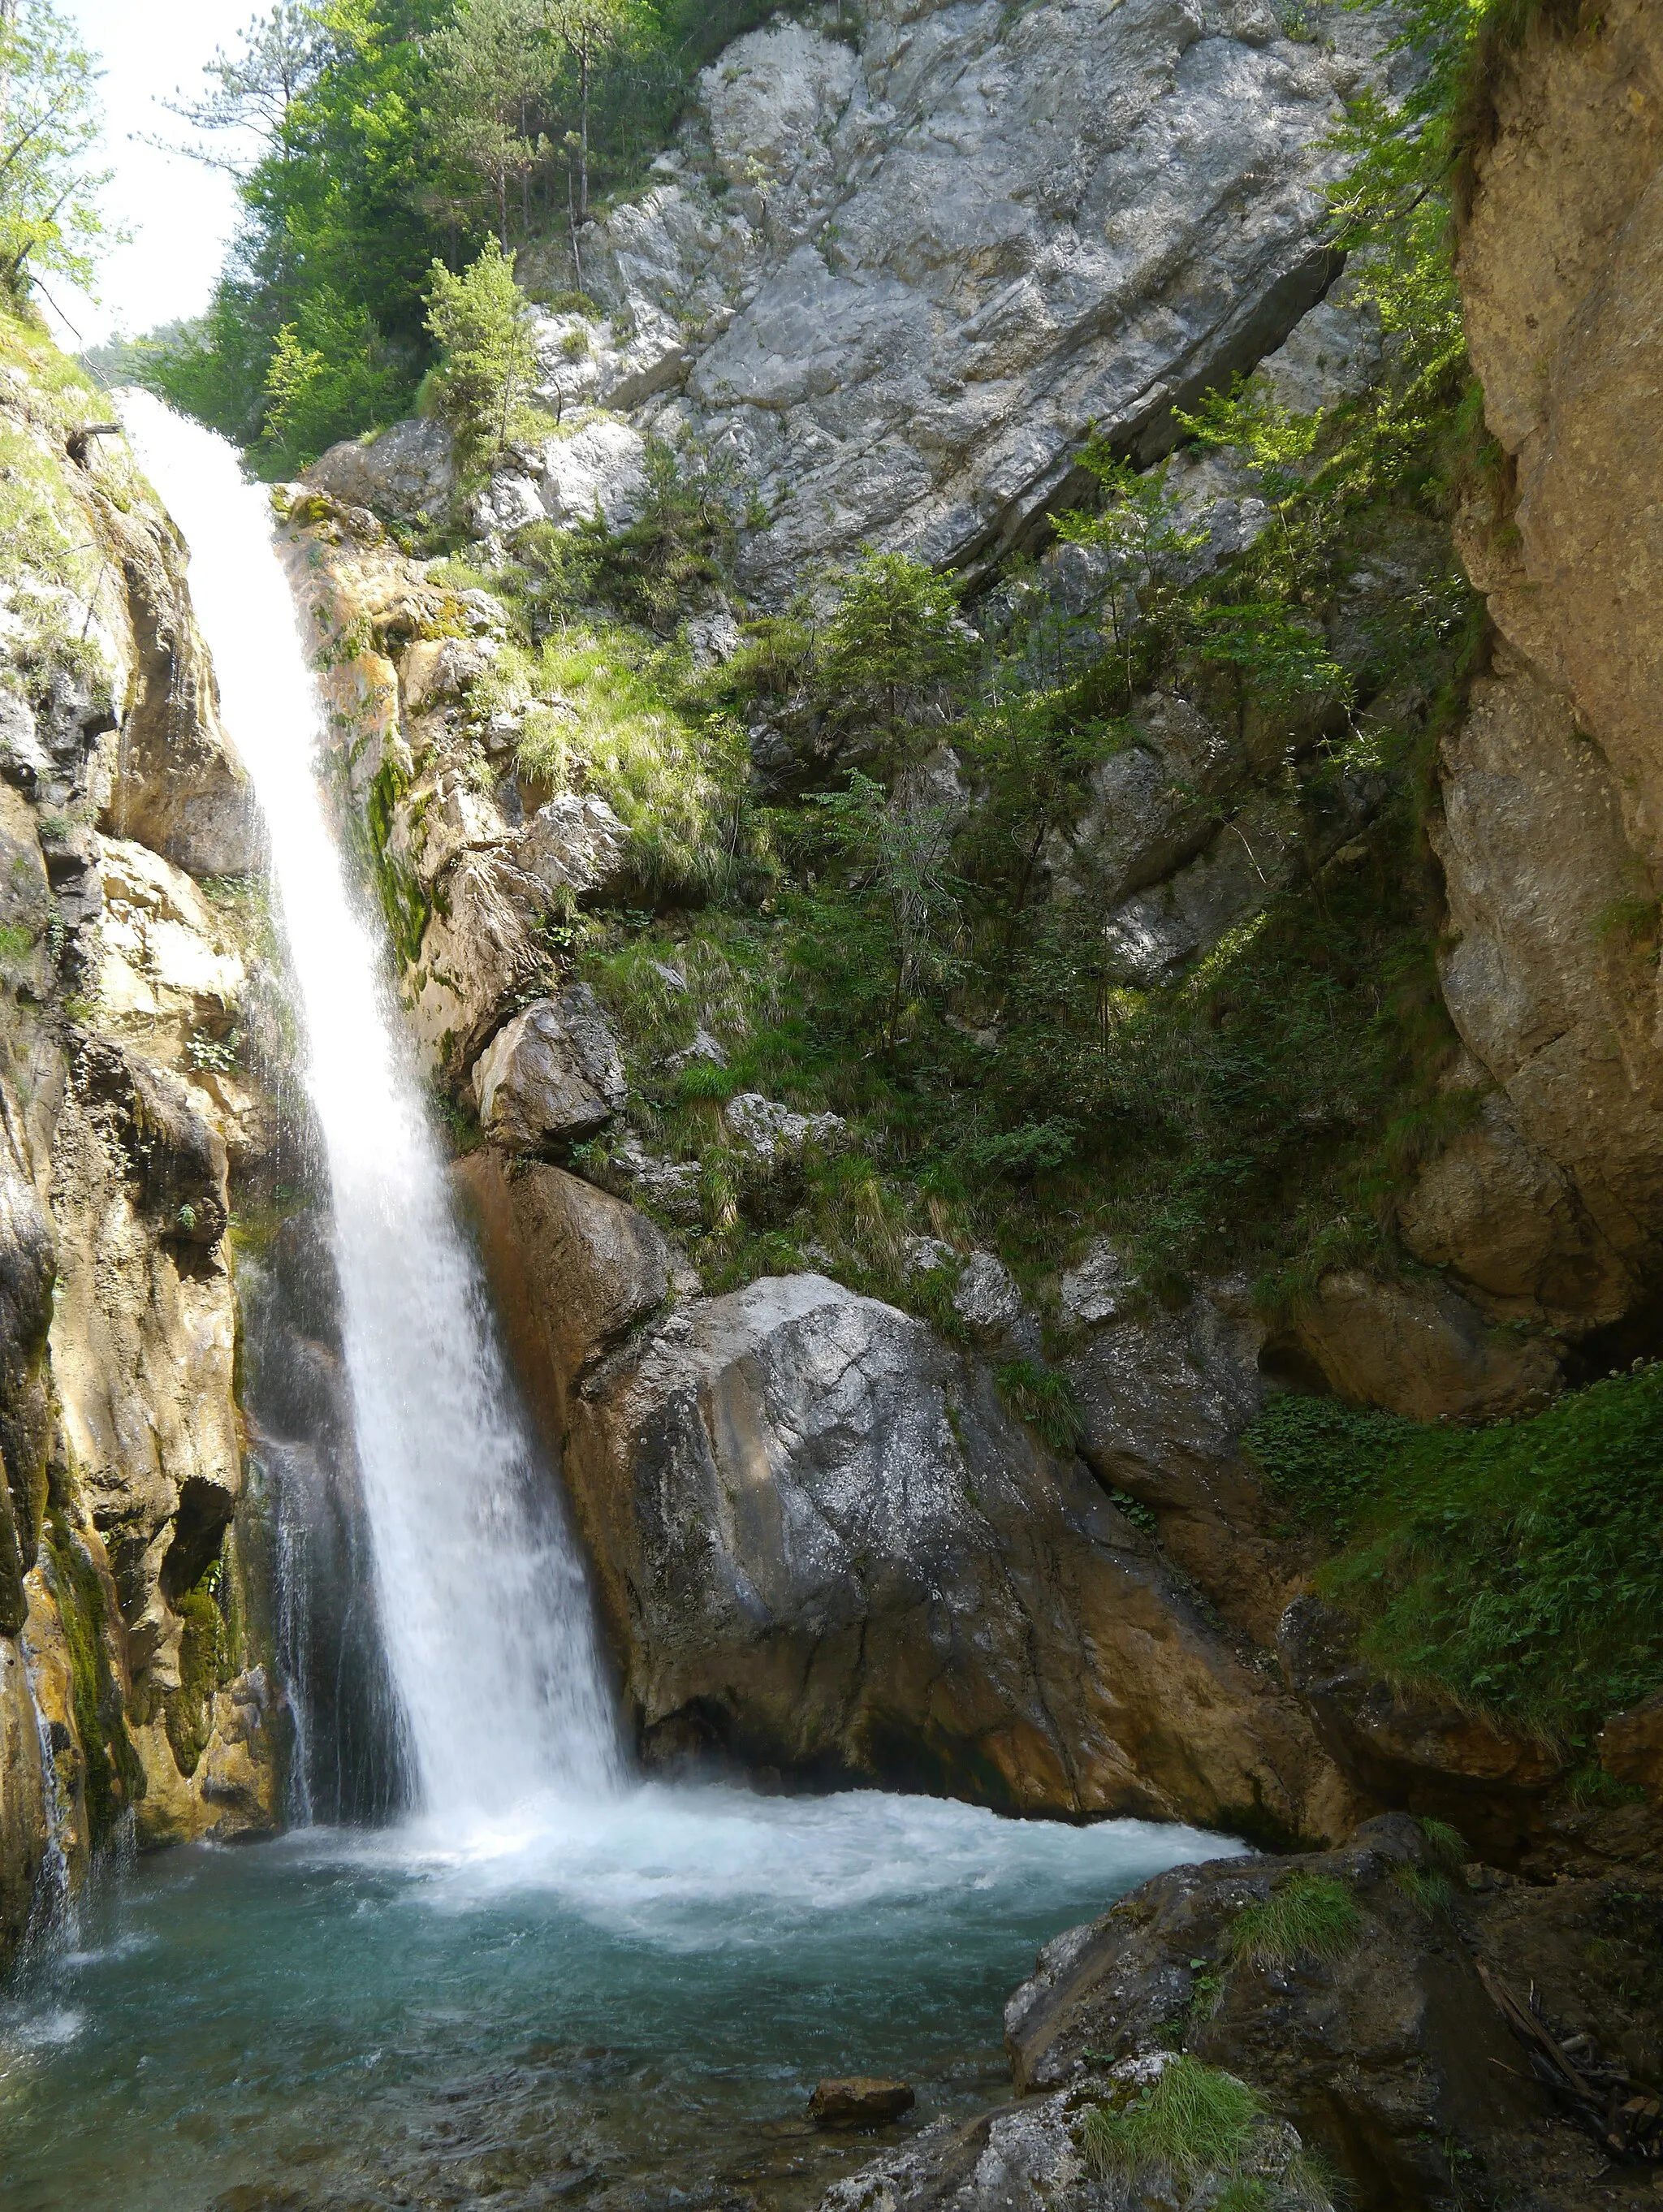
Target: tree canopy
x=370 y=138
x=50 y=121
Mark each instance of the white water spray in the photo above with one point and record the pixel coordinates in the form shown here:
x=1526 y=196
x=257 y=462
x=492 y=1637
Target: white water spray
x=484 y=1608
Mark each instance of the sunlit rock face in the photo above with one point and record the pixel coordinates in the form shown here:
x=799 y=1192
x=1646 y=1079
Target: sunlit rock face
x=901 y=274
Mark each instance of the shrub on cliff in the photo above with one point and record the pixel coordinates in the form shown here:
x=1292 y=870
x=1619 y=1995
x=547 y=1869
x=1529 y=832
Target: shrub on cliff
x=488 y=365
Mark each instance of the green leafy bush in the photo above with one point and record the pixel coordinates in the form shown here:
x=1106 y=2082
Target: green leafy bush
x=487 y=364
x=1519 y=1566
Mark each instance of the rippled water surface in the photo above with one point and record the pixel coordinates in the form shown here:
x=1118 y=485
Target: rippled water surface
x=624 y=2006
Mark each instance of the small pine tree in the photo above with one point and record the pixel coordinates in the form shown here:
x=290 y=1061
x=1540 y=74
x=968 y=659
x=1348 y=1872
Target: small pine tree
x=483 y=383
x=896 y=643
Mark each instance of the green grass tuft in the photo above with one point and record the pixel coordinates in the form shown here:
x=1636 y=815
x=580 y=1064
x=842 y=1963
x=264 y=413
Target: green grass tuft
x=1309 y=1916
x=1044 y=1398
x=1195 y=2120
x=1448 y=1845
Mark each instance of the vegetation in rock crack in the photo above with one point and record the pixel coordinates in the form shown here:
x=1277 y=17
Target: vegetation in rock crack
x=1515 y=1566
x=1308 y=1916
x=1190 y=2120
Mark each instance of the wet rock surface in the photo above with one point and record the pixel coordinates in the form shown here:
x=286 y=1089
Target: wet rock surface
x=859 y=2101
x=822 y=1545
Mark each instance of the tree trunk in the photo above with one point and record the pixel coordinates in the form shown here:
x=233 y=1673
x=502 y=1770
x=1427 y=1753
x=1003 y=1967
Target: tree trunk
x=583 y=201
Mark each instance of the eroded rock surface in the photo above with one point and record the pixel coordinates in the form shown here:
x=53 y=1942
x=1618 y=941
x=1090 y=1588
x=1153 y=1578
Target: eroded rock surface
x=1389 y=2053
x=127 y=991
x=821 y=1543
x=900 y=271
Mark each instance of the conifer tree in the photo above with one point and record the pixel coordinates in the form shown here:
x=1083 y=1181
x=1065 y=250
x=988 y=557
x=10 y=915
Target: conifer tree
x=485 y=380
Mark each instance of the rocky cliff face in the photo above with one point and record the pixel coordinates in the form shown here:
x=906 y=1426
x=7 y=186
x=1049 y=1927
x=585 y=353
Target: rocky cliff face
x=133 y=967
x=901 y=268
x=1549 y=836
x=822 y=1542
x=892 y=273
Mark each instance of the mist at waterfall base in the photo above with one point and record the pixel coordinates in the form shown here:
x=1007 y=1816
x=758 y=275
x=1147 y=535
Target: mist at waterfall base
x=549 y=1979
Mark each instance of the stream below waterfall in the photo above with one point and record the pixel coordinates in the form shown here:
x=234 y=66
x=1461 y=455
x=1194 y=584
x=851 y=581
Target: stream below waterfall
x=549 y=1982
x=624 y=2005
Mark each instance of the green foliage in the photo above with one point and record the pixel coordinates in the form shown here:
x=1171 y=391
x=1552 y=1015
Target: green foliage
x=403 y=902
x=1513 y=1566
x=189 y=1709
x=113 y=1776
x=1245 y=2194
x=488 y=363
x=1148 y=548
x=49 y=123
x=1308 y=1916
x=895 y=855
x=1192 y=2120
x=895 y=645
x=328 y=376
x=1428 y=1889
x=675 y=778
x=683 y=539
x=1448 y=1844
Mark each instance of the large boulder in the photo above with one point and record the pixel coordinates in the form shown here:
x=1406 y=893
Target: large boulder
x=1418 y=1347
x=553 y=1076
x=408 y=473
x=822 y=1545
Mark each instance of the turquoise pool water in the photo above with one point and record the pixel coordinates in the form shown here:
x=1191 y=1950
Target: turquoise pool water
x=617 y=2005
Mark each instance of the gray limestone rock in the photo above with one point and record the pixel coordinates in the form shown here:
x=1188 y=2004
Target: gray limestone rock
x=552 y=1077
x=574 y=844
x=770 y=1132
x=989 y=1302
x=407 y=472
x=941 y=252
x=1097 y=1289
x=822 y=1543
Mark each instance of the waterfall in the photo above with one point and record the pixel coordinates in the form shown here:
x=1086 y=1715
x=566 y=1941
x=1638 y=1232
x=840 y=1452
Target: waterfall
x=483 y=1607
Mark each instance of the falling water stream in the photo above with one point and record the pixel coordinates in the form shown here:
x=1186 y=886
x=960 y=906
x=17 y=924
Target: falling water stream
x=482 y=1602
x=551 y=1981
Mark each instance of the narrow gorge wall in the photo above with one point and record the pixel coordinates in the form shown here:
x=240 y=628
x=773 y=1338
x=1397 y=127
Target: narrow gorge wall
x=136 y=995
x=1551 y=833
